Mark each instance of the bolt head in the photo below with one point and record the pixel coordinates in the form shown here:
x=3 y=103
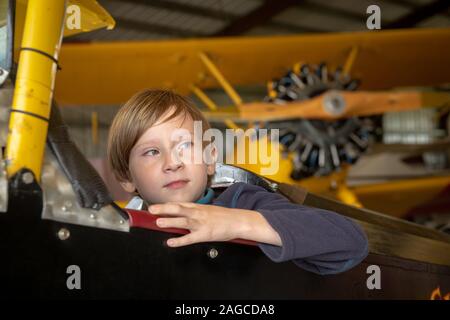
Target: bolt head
x=63 y=234
x=66 y=206
x=212 y=253
x=27 y=178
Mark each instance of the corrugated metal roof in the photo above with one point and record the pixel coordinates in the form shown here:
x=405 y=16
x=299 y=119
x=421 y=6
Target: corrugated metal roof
x=169 y=19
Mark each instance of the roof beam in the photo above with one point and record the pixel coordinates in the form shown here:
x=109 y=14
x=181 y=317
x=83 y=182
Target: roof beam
x=409 y=4
x=291 y=27
x=319 y=8
x=155 y=28
x=259 y=16
x=213 y=13
x=185 y=8
x=419 y=14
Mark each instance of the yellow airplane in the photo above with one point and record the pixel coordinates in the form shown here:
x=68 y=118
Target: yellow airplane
x=42 y=231
x=382 y=60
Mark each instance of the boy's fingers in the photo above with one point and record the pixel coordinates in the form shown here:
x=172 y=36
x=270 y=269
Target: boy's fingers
x=188 y=204
x=172 y=223
x=185 y=240
x=169 y=209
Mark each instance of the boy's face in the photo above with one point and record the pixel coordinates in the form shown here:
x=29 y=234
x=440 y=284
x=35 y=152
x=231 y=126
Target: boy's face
x=162 y=165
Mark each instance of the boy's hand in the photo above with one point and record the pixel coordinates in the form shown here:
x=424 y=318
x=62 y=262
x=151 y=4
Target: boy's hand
x=213 y=223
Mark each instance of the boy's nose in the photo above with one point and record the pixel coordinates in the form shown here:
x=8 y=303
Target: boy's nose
x=172 y=163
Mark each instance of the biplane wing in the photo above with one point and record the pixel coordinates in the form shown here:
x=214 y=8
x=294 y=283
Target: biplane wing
x=382 y=60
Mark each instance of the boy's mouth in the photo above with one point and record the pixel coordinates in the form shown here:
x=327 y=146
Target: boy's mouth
x=176 y=184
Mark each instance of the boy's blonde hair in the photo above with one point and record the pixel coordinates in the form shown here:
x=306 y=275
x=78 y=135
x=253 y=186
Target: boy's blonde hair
x=137 y=115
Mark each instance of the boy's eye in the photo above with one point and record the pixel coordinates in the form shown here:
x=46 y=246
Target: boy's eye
x=151 y=152
x=187 y=144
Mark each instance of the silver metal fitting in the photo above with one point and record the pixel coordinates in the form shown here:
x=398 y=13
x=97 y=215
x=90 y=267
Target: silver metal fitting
x=212 y=253
x=27 y=178
x=63 y=234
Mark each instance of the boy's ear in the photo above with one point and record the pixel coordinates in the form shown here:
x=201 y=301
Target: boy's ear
x=211 y=166
x=211 y=169
x=128 y=186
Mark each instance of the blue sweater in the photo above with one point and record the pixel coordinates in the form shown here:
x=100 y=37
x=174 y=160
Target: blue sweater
x=316 y=240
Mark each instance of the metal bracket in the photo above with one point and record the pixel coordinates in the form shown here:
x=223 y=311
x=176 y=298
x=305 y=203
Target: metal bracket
x=60 y=202
x=226 y=175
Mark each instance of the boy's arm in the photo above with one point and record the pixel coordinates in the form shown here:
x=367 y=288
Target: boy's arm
x=317 y=240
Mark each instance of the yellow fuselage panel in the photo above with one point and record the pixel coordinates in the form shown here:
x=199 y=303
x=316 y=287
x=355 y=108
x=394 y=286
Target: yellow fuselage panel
x=92 y=16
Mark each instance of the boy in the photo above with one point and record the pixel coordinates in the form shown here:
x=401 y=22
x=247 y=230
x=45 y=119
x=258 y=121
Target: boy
x=150 y=150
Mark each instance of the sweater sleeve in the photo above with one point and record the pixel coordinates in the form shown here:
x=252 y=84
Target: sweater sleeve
x=317 y=240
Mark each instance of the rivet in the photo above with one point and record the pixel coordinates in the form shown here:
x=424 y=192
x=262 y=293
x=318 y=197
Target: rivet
x=67 y=206
x=212 y=253
x=27 y=178
x=63 y=234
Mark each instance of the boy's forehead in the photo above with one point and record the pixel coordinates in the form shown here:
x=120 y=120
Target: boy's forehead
x=181 y=121
x=174 y=128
